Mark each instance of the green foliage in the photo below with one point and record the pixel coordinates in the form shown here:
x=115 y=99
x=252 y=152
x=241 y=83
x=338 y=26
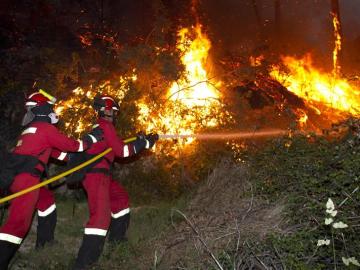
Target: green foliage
x=306 y=171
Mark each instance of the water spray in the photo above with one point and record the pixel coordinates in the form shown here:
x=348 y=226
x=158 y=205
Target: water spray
x=228 y=136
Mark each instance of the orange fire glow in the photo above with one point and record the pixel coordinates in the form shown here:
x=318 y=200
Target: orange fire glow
x=193 y=101
x=337 y=48
x=77 y=110
x=317 y=88
x=256 y=61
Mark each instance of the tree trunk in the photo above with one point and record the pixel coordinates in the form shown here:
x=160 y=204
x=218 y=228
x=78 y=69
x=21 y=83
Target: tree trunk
x=338 y=36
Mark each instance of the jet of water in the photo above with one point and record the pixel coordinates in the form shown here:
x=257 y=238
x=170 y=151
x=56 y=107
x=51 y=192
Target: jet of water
x=228 y=135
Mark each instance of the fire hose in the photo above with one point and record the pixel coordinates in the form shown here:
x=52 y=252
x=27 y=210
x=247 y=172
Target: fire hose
x=212 y=136
x=57 y=177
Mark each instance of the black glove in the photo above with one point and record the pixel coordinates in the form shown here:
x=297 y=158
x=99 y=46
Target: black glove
x=140 y=142
x=140 y=136
x=151 y=138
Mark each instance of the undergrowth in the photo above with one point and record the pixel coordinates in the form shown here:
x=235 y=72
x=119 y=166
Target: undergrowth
x=307 y=172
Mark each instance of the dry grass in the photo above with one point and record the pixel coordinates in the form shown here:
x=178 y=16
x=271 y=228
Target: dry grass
x=223 y=213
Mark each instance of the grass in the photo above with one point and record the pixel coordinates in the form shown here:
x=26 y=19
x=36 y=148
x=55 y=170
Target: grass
x=147 y=222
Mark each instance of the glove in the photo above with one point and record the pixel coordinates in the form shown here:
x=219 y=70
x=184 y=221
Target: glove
x=140 y=136
x=140 y=142
x=151 y=138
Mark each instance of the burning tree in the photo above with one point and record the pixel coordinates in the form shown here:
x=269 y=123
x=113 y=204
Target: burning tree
x=193 y=102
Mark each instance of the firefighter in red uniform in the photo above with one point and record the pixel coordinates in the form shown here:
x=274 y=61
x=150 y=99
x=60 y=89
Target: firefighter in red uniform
x=108 y=201
x=24 y=167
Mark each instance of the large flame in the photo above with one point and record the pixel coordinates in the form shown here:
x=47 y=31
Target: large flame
x=317 y=88
x=195 y=89
x=190 y=104
x=193 y=101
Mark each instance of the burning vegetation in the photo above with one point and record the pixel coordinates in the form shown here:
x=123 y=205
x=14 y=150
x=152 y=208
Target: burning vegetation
x=193 y=102
x=198 y=101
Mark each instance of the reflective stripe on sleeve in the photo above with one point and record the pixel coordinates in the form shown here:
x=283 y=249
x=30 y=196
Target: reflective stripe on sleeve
x=62 y=156
x=81 y=146
x=121 y=213
x=94 y=231
x=47 y=211
x=94 y=140
x=30 y=130
x=147 y=146
x=10 y=238
x=126 y=151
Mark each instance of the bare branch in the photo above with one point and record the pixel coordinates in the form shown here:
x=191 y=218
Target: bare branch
x=201 y=240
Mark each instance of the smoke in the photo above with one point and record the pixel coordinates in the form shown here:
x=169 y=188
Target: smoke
x=281 y=26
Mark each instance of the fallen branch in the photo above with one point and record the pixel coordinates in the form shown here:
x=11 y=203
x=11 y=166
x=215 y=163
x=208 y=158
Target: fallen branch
x=256 y=257
x=201 y=240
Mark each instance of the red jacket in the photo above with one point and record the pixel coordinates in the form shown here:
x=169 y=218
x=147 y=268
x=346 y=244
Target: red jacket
x=119 y=148
x=40 y=138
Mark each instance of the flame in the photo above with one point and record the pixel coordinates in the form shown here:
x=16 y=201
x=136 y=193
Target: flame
x=193 y=101
x=256 y=61
x=190 y=104
x=317 y=88
x=194 y=90
x=85 y=40
x=77 y=110
x=302 y=117
x=337 y=48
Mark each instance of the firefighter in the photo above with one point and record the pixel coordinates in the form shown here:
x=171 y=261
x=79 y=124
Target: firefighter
x=23 y=168
x=108 y=201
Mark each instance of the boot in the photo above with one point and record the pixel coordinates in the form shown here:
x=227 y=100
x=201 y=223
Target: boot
x=89 y=251
x=7 y=251
x=46 y=229
x=118 y=228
